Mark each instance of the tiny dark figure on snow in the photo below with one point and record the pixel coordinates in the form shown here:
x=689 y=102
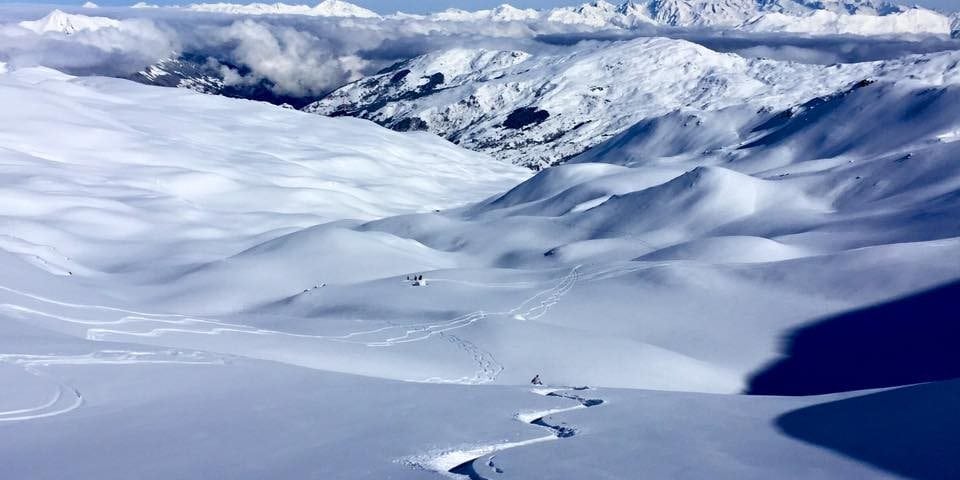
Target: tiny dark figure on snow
x=536 y=380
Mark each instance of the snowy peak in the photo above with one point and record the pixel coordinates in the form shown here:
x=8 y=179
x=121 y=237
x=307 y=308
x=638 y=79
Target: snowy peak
x=62 y=22
x=595 y=14
x=339 y=8
x=955 y=25
x=503 y=13
x=326 y=8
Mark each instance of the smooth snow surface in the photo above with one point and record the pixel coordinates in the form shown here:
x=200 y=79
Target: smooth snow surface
x=200 y=287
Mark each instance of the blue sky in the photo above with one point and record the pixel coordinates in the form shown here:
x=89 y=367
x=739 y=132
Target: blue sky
x=425 y=5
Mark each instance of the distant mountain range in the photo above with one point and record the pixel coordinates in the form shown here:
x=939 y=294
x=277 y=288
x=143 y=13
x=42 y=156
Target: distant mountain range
x=326 y=8
x=861 y=17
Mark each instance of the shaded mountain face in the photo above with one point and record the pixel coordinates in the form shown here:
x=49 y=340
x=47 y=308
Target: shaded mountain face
x=203 y=74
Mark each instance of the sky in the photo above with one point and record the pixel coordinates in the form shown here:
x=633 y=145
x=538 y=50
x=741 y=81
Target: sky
x=418 y=6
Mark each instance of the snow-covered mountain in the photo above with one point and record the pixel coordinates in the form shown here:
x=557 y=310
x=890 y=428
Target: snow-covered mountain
x=326 y=8
x=59 y=21
x=860 y=17
x=503 y=13
x=540 y=110
x=955 y=25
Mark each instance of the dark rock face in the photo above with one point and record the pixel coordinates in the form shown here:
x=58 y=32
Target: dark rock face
x=410 y=125
x=523 y=117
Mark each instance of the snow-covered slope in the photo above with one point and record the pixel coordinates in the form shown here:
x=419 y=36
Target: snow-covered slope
x=318 y=173
x=61 y=22
x=539 y=110
x=326 y=8
x=955 y=25
x=164 y=248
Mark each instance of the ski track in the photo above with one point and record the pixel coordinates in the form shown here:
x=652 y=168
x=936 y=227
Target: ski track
x=68 y=398
x=462 y=463
x=154 y=325
x=488 y=368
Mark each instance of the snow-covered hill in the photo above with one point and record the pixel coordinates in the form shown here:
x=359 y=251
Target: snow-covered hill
x=539 y=110
x=326 y=8
x=59 y=21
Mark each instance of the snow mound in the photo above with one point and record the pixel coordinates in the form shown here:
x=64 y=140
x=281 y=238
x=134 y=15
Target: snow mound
x=732 y=249
x=300 y=261
x=695 y=203
x=61 y=22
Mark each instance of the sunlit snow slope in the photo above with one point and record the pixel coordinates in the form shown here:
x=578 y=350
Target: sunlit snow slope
x=200 y=287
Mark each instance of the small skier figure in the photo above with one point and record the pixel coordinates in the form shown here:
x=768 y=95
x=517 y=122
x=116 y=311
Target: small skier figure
x=536 y=380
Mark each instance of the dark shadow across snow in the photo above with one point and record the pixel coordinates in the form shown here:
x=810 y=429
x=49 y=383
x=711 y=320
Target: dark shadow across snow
x=906 y=341
x=910 y=431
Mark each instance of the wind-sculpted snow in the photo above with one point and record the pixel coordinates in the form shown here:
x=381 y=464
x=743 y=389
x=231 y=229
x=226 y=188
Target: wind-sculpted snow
x=149 y=166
